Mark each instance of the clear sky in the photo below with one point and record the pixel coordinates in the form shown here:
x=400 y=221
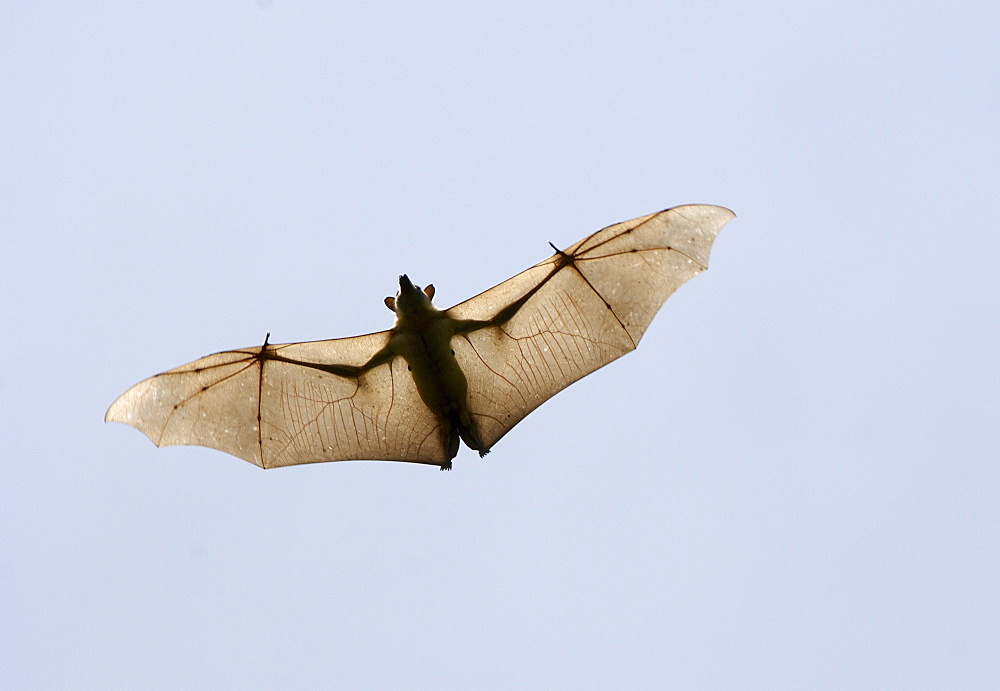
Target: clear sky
x=794 y=482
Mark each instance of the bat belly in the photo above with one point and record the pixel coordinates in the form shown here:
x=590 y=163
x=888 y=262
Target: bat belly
x=439 y=378
x=441 y=384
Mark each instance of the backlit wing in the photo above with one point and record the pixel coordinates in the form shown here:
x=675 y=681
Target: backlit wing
x=275 y=413
x=591 y=304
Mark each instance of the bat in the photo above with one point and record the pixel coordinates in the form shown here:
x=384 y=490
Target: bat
x=467 y=373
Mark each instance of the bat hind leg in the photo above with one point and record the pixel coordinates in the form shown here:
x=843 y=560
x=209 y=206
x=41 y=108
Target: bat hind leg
x=470 y=435
x=449 y=436
x=452 y=431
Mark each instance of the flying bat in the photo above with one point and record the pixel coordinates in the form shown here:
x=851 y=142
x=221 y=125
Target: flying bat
x=467 y=373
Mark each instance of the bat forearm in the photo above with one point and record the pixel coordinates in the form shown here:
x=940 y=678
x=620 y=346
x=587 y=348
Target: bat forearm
x=506 y=313
x=346 y=371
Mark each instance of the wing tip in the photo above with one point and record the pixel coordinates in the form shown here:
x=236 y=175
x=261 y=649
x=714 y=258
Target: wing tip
x=115 y=413
x=714 y=209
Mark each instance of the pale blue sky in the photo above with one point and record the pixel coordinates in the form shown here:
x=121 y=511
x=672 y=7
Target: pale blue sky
x=793 y=482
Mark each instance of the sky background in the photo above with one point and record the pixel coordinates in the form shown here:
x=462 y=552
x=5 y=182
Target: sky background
x=793 y=482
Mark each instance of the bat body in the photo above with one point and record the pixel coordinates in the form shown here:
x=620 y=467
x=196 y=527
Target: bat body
x=470 y=372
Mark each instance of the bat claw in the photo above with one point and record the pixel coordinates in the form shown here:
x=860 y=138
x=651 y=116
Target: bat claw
x=446 y=465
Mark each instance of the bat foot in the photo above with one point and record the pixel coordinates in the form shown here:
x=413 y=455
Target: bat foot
x=482 y=454
x=446 y=465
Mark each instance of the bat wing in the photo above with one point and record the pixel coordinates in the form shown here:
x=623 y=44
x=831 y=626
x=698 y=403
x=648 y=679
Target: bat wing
x=590 y=304
x=275 y=413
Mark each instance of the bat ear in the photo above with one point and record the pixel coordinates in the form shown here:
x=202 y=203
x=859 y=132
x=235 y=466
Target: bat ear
x=391 y=303
x=429 y=292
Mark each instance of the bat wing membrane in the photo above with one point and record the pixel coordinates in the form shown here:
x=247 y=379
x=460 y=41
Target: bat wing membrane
x=274 y=413
x=595 y=301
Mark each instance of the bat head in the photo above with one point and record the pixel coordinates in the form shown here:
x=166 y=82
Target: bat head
x=410 y=299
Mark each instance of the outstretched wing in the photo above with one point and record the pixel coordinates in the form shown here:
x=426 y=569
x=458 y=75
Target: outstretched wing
x=519 y=343
x=275 y=413
x=591 y=304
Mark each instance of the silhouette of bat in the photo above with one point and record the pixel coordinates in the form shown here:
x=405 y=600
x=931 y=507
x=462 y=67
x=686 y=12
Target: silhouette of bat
x=470 y=372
